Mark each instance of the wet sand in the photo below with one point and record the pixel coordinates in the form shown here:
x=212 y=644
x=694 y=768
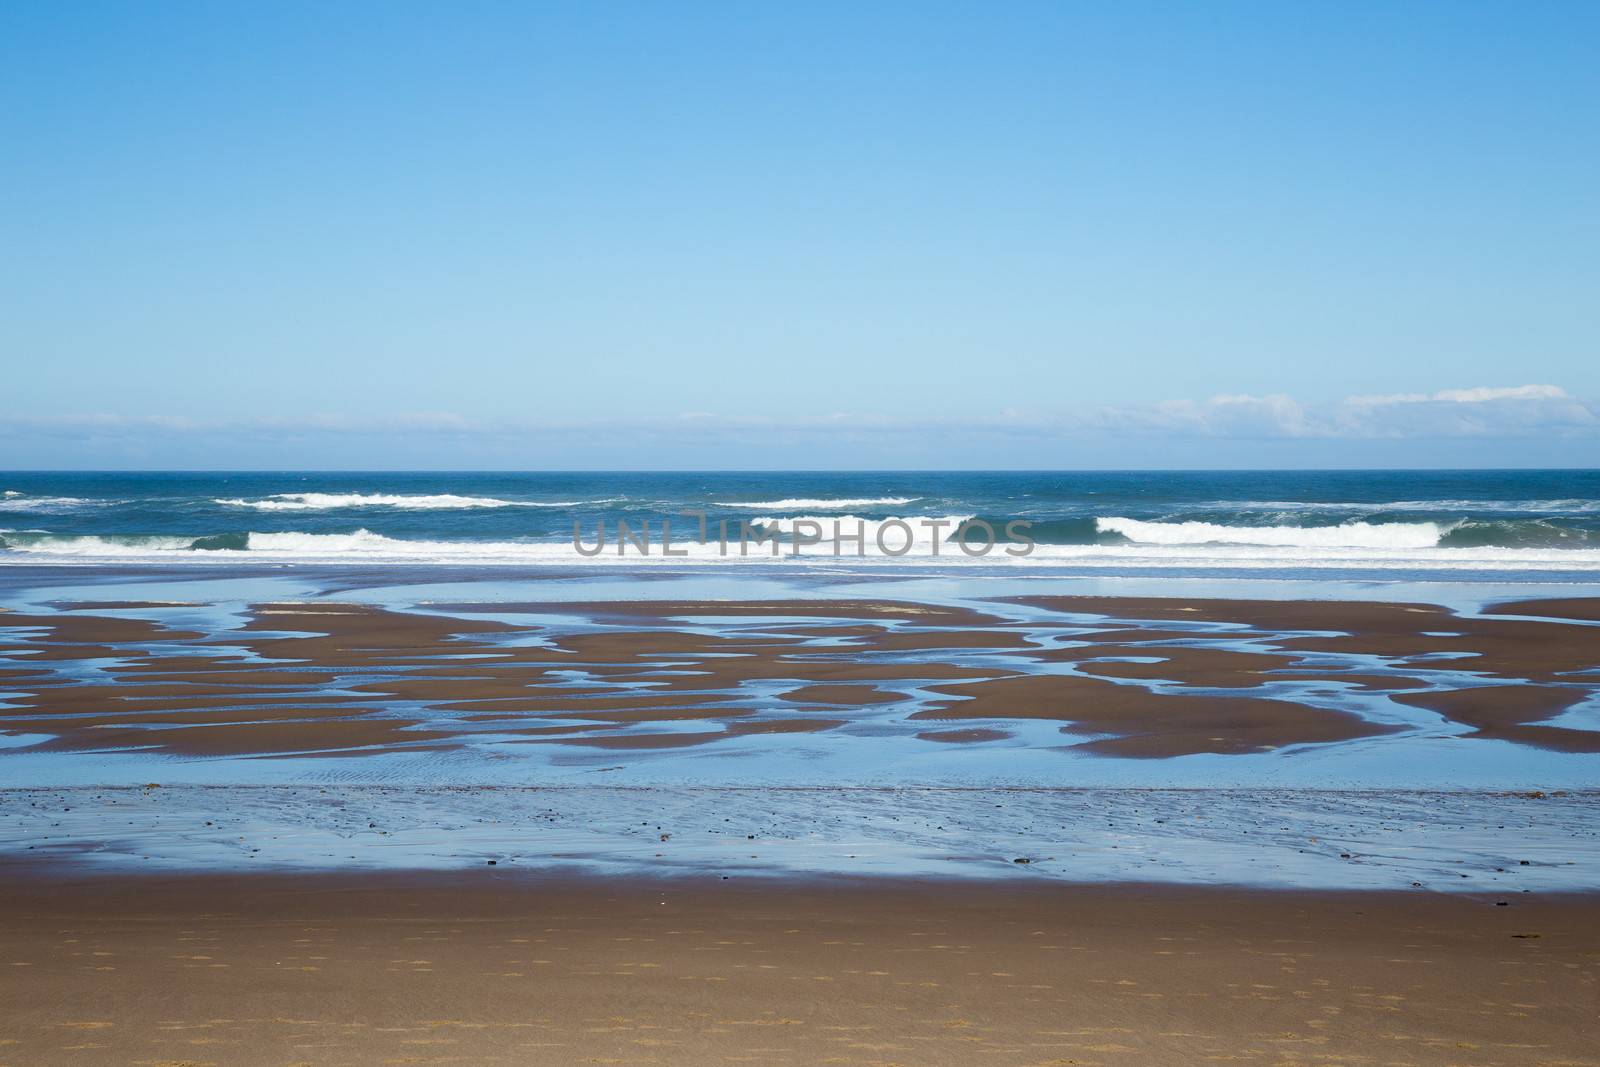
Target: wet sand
x=1128 y=677
x=1515 y=843
x=319 y=922
x=493 y=968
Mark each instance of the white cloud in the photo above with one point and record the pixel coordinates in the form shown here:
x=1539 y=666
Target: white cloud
x=1521 y=411
x=1482 y=394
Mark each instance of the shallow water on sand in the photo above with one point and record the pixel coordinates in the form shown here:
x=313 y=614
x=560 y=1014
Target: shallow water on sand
x=1498 y=843
x=860 y=788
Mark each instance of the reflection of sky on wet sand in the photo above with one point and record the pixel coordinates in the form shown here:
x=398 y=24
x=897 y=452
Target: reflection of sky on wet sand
x=1499 y=844
x=438 y=818
x=409 y=585
x=878 y=745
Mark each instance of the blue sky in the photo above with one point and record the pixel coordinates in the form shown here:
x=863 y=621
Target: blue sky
x=799 y=235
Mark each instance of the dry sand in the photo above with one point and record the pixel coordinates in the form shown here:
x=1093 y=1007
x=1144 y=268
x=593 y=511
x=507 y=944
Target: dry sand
x=487 y=968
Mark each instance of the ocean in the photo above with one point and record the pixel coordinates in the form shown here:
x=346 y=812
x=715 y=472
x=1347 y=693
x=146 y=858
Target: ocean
x=1487 y=522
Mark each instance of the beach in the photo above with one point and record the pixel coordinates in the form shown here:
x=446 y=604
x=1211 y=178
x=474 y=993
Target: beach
x=882 y=535
x=1119 y=676
x=903 y=811
x=484 y=967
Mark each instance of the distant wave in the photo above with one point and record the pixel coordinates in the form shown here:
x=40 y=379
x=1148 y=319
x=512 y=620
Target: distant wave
x=824 y=504
x=419 y=502
x=1345 y=535
x=1572 y=505
x=15 y=501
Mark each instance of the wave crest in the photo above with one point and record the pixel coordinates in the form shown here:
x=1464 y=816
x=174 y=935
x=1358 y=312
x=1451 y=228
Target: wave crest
x=405 y=502
x=15 y=501
x=824 y=504
x=1345 y=535
x=365 y=546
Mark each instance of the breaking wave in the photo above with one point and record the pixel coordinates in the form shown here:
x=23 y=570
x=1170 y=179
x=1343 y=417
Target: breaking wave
x=1345 y=535
x=1570 y=505
x=366 y=546
x=890 y=533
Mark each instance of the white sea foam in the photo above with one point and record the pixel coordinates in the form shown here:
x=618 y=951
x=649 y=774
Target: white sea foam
x=879 y=537
x=413 y=502
x=100 y=547
x=364 y=546
x=362 y=542
x=1299 y=557
x=1398 y=535
x=15 y=501
x=1572 y=505
x=827 y=504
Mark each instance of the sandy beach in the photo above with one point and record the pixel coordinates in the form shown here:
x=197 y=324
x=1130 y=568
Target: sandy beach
x=489 y=968
x=859 y=535
x=343 y=831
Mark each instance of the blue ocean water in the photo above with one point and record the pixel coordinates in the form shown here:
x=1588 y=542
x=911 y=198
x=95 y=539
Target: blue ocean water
x=1481 y=520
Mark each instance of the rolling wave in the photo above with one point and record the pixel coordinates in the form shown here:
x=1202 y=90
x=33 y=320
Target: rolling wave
x=89 y=545
x=1345 y=535
x=361 y=543
x=1535 y=533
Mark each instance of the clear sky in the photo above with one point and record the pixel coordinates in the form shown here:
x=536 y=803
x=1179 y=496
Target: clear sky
x=879 y=234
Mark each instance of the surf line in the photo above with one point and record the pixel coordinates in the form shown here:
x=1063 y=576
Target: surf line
x=890 y=537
